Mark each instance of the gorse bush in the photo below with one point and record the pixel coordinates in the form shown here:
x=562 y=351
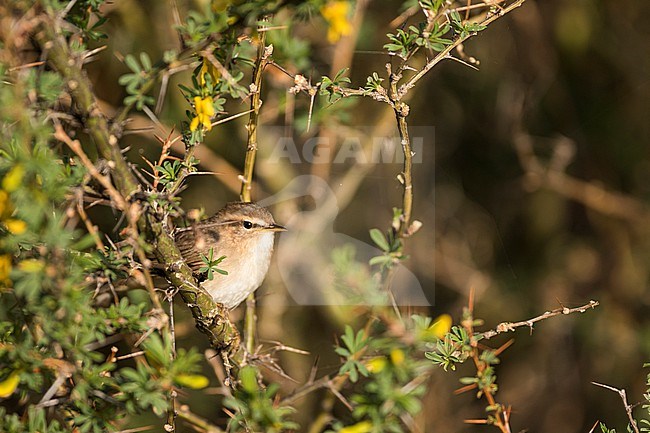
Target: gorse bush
x=89 y=271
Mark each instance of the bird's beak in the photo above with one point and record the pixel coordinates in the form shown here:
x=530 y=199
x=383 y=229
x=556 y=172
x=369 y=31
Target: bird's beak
x=276 y=228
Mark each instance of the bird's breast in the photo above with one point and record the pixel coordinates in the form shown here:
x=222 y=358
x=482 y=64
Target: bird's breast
x=245 y=274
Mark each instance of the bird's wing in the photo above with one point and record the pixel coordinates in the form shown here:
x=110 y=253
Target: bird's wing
x=186 y=242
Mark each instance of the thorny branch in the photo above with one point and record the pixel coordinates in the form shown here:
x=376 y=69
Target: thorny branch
x=263 y=58
x=628 y=407
x=511 y=326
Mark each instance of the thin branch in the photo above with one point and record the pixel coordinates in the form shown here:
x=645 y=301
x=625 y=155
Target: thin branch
x=501 y=413
x=60 y=57
x=105 y=181
x=196 y=422
x=313 y=385
x=445 y=54
x=263 y=55
x=628 y=407
x=170 y=426
x=511 y=326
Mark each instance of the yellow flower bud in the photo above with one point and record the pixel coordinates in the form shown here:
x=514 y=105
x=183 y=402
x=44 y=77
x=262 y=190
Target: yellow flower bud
x=376 y=365
x=31 y=265
x=441 y=325
x=360 y=427
x=9 y=385
x=397 y=357
x=194 y=381
x=13 y=178
x=16 y=226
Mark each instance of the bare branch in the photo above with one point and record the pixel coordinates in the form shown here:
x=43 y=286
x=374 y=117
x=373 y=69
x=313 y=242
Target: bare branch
x=628 y=407
x=511 y=326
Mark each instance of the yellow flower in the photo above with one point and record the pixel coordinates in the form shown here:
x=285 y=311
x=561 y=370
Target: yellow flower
x=16 y=226
x=13 y=178
x=441 y=325
x=207 y=68
x=31 y=265
x=204 y=111
x=336 y=14
x=376 y=365
x=9 y=385
x=194 y=381
x=360 y=427
x=5 y=268
x=397 y=357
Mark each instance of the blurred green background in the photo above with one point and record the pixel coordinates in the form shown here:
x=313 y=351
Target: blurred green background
x=570 y=79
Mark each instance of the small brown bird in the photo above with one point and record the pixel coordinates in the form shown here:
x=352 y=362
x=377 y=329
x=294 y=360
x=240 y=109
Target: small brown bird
x=244 y=234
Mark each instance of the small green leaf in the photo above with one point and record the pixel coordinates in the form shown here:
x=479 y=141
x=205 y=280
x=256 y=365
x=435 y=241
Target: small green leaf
x=248 y=379
x=378 y=238
x=146 y=61
x=132 y=63
x=468 y=380
x=380 y=260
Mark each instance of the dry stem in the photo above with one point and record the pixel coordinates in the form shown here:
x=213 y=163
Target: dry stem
x=511 y=326
x=628 y=407
x=263 y=55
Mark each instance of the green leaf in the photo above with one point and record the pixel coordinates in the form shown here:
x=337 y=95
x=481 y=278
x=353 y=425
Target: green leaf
x=146 y=61
x=132 y=63
x=248 y=379
x=380 y=260
x=468 y=380
x=379 y=239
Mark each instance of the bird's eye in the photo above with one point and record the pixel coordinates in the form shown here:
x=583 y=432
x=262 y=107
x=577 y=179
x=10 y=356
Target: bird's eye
x=248 y=225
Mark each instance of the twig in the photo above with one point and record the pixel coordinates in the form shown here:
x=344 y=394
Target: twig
x=501 y=413
x=59 y=56
x=130 y=355
x=25 y=66
x=136 y=429
x=224 y=72
x=61 y=377
x=313 y=385
x=170 y=426
x=92 y=229
x=263 y=55
x=444 y=54
x=326 y=381
x=198 y=423
x=105 y=181
x=232 y=117
x=628 y=407
x=511 y=326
